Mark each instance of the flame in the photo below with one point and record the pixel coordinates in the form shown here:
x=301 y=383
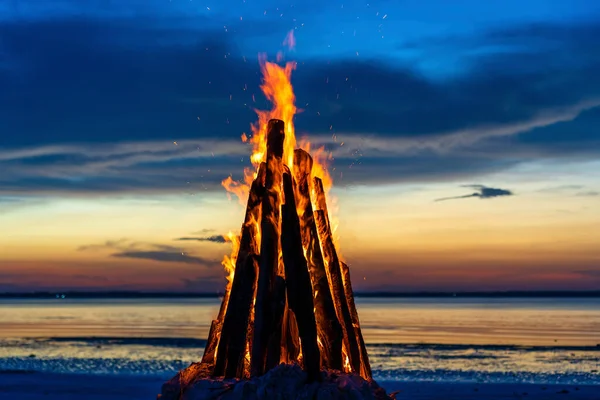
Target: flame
x=229 y=261
x=347 y=367
x=240 y=189
x=277 y=88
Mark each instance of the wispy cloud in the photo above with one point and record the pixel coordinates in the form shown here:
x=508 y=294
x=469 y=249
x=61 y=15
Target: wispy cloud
x=163 y=256
x=590 y=273
x=483 y=192
x=213 y=238
x=125 y=248
x=160 y=166
x=590 y=193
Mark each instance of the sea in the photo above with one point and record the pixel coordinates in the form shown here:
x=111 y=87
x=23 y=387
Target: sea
x=450 y=339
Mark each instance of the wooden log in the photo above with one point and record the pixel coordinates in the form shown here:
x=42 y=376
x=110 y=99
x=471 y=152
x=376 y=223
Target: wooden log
x=299 y=287
x=236 y=325
x=269 y=247
x=212 y=342
x=334 y=275
x=290 y=342
x=244 y=366
x=277 y=309
x=329 y=329
x=365 y=366
x=239 y=303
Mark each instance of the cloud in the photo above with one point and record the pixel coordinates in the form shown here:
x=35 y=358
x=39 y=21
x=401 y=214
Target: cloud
x=561 y=188
x=95 y=278
x=204 y=231
x=125 y=248
x=590 y=273
x=163 y=256
x=130 y=88
x=483 y=192
x=213 y=238
x=590 y=193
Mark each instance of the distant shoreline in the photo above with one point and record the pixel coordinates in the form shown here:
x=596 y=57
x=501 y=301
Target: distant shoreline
x=387 y=294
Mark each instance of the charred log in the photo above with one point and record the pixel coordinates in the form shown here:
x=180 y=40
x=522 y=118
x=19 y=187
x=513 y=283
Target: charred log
x=334 y=274
x=328 y=327
x=277 y=309
x=290 y=344
x=208 y=358
x=299 y=288
x=232 y=344
x=365 y=370
x=264 y=319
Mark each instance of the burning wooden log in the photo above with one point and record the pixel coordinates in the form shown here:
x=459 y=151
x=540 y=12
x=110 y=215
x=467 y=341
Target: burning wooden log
x=328 y=326
x=334 y=274
x=365 y=366
x=299 y=288
x=264 y=318
x=290 y=341
x=232 y=343
x=275 y=335
x=208 y=358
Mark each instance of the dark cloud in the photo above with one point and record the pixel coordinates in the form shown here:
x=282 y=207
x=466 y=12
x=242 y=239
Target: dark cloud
x=94 y=105
x=126 y=248
x=164 y=256
x=483 y=192
x=590 y=273
x=213 y=238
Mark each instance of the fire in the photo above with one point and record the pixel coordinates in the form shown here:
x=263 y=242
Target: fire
x=265 y=316
x=347 y=367
x=229 y=261
x=277 y=88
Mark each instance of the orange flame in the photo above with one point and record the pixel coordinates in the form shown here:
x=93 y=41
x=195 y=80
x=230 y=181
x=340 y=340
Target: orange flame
x=229 y=261
x=277 y=87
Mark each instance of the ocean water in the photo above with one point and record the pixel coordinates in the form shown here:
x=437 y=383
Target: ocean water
x=540 y=340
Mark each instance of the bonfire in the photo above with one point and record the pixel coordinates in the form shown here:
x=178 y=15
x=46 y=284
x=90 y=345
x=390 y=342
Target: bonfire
x=287 y=326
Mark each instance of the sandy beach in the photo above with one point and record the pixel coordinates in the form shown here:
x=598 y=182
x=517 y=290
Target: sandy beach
x=30 y=386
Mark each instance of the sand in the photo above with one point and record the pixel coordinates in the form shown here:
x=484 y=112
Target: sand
x=29 y=386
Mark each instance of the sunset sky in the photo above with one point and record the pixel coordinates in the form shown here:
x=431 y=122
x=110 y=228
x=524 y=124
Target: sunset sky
x=470 y=131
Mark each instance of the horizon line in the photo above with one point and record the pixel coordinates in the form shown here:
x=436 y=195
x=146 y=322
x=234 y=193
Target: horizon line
x=364 y=294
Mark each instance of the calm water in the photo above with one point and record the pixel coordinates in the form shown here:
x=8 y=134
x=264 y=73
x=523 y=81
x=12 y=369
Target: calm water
x=534 y=340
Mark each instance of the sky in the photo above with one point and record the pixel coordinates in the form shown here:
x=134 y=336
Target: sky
x=465 y=138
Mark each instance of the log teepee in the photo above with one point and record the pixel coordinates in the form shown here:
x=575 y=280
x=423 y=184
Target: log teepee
x=290 y=299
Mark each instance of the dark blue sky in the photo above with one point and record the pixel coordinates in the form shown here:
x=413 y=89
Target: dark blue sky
x=78 y=73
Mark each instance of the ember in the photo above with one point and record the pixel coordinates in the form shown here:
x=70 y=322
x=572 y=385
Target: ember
x=288 y=297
